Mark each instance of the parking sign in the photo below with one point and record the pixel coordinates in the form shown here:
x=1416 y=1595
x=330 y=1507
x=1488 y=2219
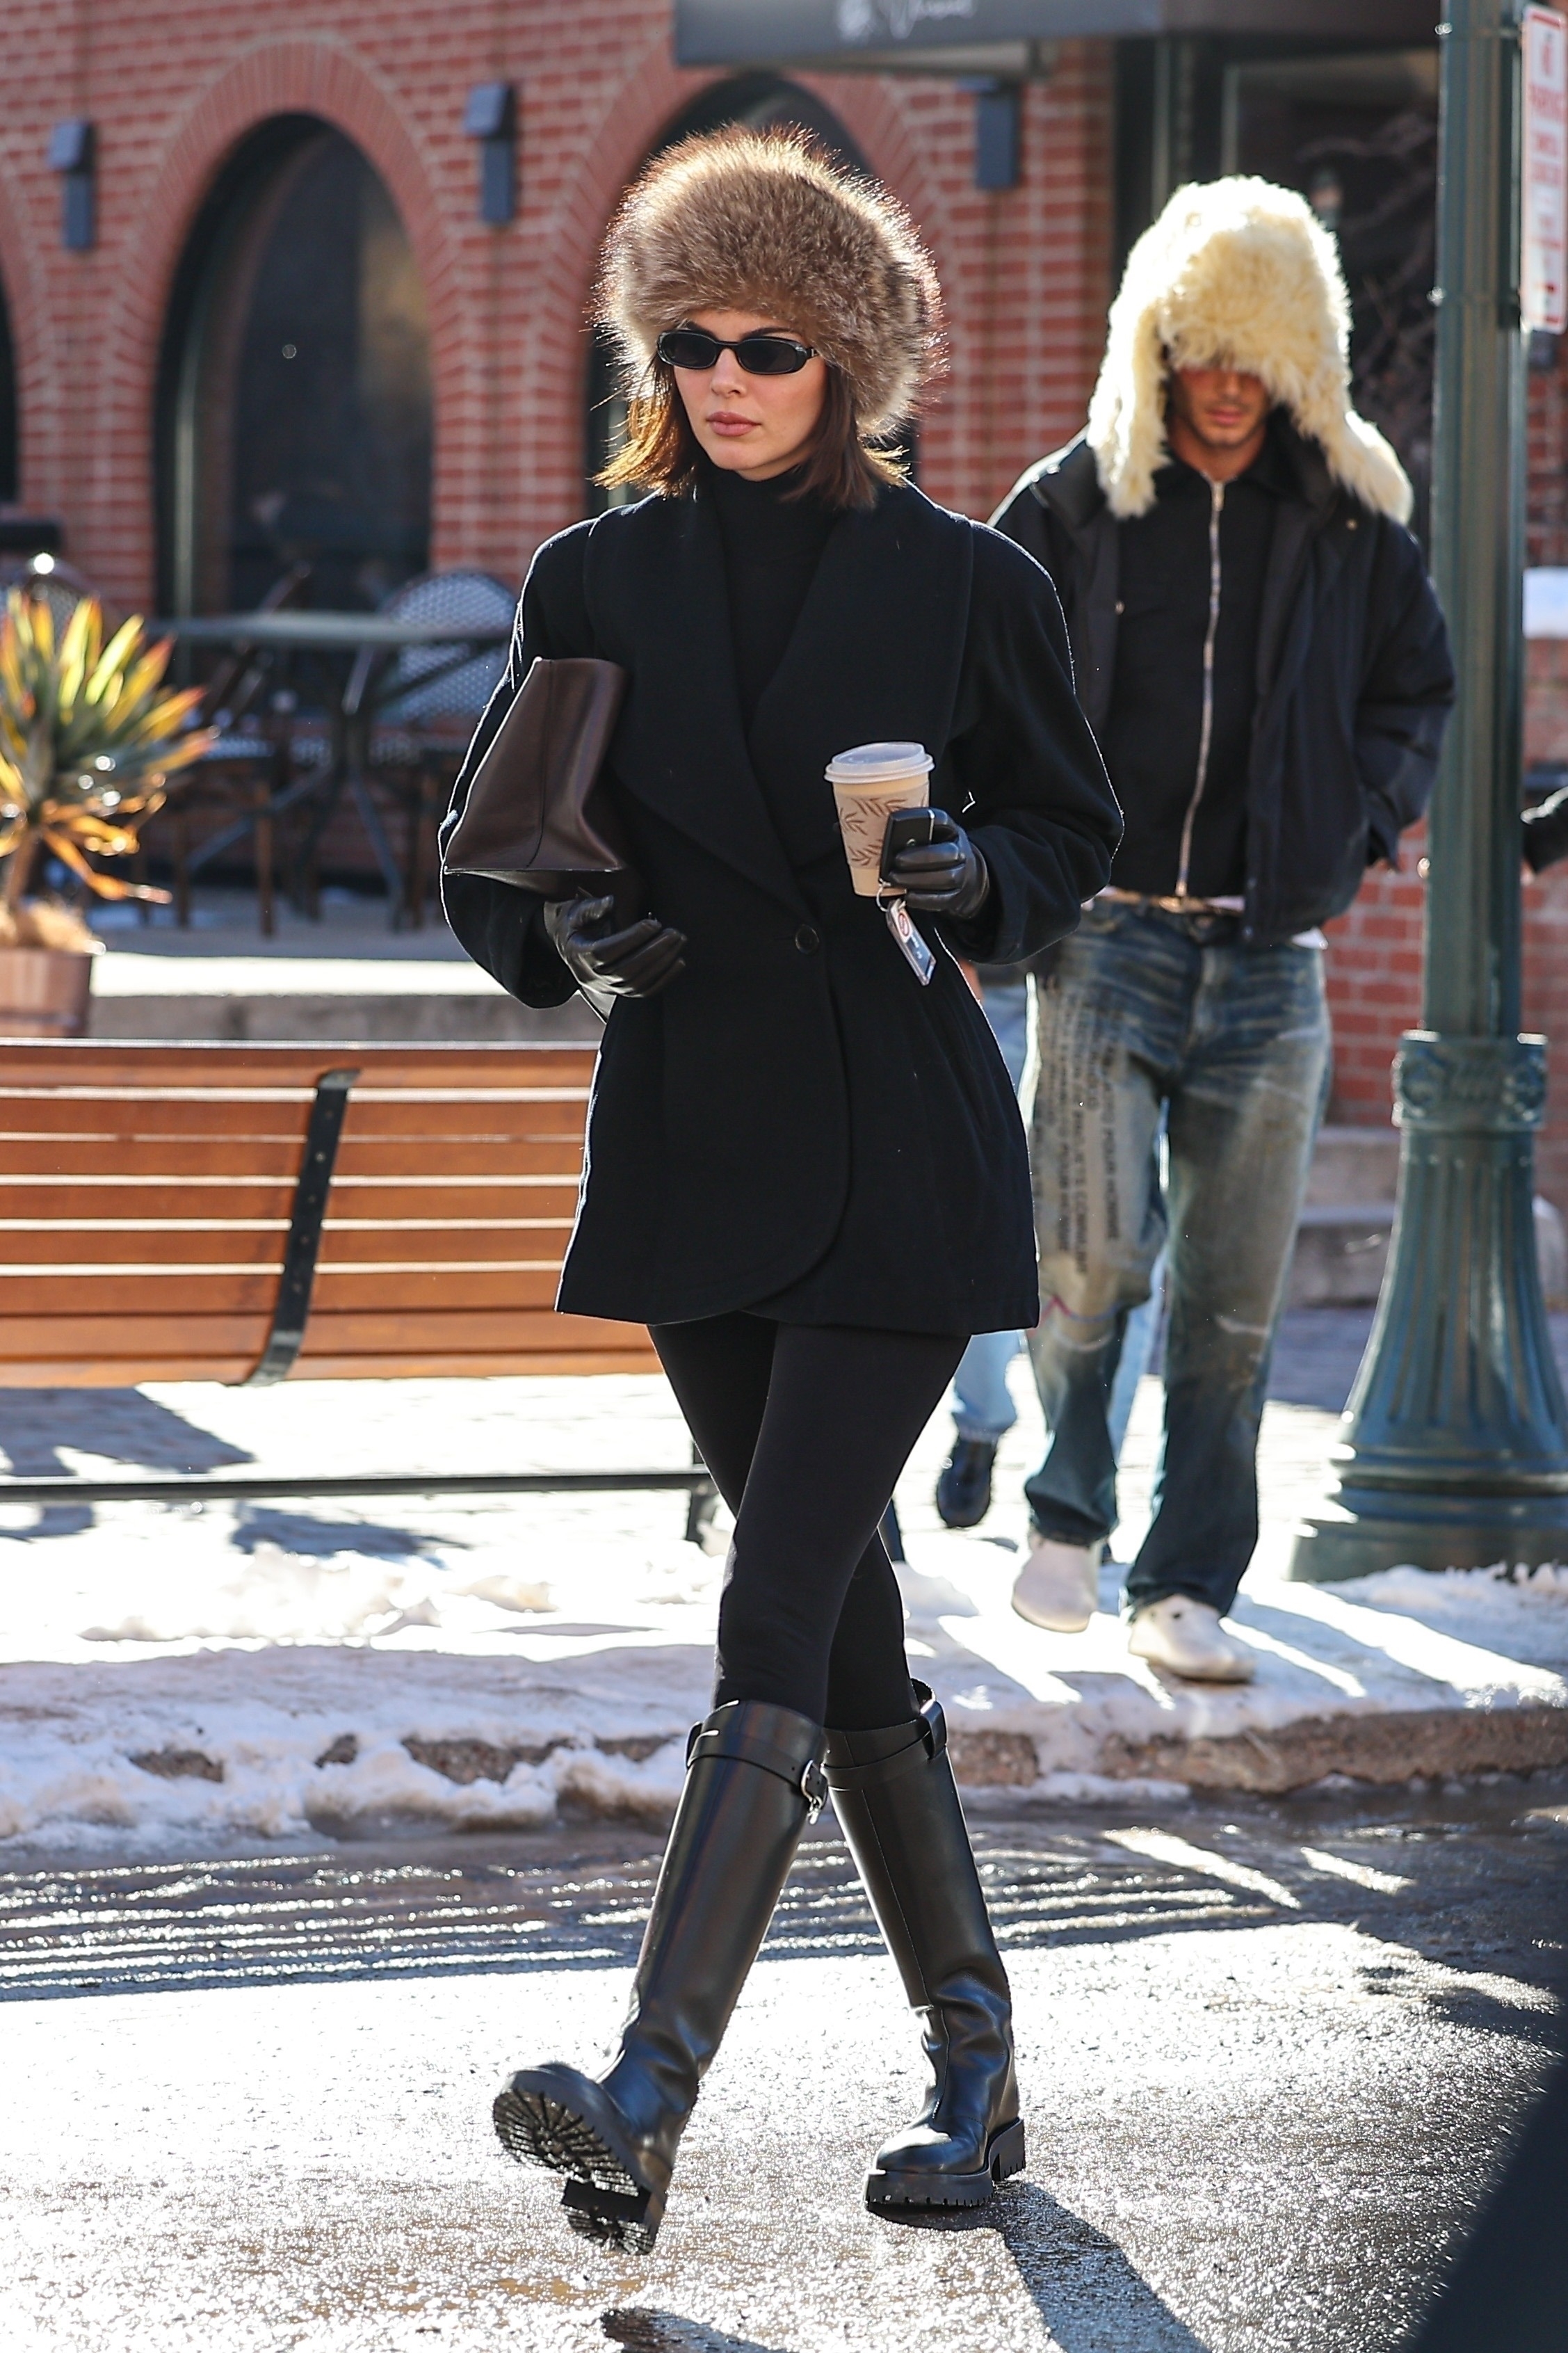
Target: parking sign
x=1543 y=262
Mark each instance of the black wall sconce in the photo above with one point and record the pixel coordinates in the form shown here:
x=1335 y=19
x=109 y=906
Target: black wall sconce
x=998 y=122
x=490 y=117
x=73 y=154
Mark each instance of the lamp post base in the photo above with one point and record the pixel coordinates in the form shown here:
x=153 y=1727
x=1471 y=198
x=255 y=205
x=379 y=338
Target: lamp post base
x=1361 y=1530
x=1455 y=1455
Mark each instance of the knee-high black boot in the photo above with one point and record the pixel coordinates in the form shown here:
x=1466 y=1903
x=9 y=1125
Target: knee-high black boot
x=753 y=1780
x=897 y=1806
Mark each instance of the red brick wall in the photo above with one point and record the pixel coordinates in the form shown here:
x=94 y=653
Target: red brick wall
x=174 y=84
x=1374 y=986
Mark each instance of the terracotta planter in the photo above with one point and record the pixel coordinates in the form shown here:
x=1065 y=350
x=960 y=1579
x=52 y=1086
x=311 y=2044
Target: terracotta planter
x=44 y=992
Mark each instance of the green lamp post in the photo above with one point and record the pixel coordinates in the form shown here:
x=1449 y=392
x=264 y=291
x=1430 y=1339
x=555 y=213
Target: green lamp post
x=1456 y=1453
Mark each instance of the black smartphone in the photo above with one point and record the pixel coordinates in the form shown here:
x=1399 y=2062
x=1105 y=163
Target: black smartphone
x=907 y=829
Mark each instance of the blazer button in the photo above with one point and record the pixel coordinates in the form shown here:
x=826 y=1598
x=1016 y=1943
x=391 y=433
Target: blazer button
x=809 y=939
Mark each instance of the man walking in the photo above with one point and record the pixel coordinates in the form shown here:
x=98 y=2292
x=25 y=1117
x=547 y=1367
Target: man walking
x=1260 y=652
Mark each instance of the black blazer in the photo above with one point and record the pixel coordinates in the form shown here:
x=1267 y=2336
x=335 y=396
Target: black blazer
x=796 y=1125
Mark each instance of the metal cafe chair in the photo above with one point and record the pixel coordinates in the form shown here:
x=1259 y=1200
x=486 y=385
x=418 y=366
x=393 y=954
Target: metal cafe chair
x=426 y=705
x=243 y=774
x=48 y=579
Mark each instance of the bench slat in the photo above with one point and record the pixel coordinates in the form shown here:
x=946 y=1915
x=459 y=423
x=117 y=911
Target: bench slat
x=156 y=1204
x=28 y=1343
x=235 y=1290
x=83 y=1161
x=119 y=1372
x=163 y=1061
x=369 y=1334
x=160 y=1252
x=109 y=1123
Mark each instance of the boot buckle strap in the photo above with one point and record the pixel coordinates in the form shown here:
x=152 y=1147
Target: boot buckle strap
x=883 y=1769
x=809 y=1779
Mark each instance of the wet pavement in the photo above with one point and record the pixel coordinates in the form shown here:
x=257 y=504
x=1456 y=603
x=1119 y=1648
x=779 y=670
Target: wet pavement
x=1272 y=2053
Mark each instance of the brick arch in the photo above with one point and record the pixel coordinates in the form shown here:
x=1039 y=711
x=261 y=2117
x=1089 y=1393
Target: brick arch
x=294 y=77
x=35 y=350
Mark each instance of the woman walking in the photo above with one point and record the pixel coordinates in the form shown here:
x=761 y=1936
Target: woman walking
x=807 y=1171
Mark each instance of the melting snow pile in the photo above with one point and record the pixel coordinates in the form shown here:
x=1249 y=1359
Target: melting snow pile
x=197 y=1675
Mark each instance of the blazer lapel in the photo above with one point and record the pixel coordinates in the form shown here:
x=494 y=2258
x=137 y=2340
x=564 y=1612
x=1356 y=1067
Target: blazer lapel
x=875 y=657
x=681 y=747
x=876 y=654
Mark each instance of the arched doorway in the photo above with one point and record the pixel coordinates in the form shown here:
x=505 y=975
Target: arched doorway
x=763 y=103
x=294 y=397
x=10 y=466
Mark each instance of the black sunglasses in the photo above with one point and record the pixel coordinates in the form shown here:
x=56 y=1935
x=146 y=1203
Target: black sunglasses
x=759 y=355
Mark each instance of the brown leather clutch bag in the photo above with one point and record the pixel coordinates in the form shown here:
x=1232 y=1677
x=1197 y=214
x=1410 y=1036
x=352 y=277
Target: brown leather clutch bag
x=534 y=815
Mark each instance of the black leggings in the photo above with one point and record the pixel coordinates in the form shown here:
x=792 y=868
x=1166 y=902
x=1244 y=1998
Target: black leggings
x=805 y=1428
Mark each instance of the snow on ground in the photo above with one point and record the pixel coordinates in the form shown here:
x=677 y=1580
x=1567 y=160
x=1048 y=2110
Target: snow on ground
x=235 y=1671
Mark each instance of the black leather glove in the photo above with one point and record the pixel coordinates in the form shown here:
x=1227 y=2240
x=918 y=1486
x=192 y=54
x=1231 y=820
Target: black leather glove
x=637 y=962
x=946 y=876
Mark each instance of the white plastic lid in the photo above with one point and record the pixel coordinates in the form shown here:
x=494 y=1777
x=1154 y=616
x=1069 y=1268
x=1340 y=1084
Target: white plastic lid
x=876 y=763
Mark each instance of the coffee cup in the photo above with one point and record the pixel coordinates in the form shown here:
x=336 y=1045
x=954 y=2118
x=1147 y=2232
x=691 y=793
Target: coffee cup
x=870 y=782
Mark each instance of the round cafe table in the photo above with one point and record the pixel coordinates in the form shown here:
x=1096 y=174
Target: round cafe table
x=369 y=643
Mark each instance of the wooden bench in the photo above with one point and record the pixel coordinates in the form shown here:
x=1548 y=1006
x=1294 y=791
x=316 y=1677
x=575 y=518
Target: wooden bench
x=247 y=1213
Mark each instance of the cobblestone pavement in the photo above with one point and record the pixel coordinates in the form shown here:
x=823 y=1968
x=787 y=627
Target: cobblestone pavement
x=1270 y=2063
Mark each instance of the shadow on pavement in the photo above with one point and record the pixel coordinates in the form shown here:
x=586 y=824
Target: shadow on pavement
x=1468 y=1880
x=303 y=1533
x=663 y=2332
x=1089 y=2295
x=117 y=1425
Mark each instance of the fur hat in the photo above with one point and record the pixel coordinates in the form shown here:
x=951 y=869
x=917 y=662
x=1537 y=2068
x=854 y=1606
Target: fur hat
x=1235 y=273
x=746 y=220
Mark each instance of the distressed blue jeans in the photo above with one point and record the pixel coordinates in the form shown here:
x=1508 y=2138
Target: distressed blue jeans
x=983 y=1406
x=1147 y=1010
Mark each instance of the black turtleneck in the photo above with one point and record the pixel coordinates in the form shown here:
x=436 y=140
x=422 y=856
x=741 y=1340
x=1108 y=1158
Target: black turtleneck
x=773 y=544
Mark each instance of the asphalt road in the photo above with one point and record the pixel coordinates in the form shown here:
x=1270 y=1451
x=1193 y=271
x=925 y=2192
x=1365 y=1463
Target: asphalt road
x=1273 y=2054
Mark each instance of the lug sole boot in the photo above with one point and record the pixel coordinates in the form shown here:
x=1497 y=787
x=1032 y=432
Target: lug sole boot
x=753 y=1780
x=897 y=1806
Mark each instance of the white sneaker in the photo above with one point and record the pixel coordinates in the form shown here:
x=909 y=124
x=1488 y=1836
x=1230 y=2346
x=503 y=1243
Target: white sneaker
x=1058 y=1586
x=1188 y=1638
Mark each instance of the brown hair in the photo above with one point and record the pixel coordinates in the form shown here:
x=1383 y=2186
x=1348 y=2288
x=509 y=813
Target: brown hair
x=662 y=452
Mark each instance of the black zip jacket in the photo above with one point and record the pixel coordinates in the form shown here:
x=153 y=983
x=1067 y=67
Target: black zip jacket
x=1355 y=676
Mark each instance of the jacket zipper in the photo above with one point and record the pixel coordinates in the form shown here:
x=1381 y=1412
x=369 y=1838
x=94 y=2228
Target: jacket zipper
x=1185 y=857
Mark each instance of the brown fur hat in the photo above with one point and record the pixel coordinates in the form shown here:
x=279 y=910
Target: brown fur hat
x=747 y=220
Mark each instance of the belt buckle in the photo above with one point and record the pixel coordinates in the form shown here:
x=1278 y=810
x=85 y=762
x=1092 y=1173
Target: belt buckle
x=813 y=1788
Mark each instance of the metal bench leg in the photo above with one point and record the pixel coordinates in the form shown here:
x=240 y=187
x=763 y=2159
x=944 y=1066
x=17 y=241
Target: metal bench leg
x=292 y=1310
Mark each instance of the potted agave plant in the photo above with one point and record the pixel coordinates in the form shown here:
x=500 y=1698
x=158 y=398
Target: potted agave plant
x=88 y=742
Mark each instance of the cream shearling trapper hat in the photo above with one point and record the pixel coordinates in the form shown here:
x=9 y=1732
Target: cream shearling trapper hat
x=745 y=220
x=1235 y=273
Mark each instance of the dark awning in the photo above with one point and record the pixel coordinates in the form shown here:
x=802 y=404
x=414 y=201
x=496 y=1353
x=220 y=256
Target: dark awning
x=960 y=36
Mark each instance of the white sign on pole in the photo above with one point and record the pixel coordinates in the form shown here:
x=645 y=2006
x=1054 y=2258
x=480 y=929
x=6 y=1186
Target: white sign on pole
x=1543 y=259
